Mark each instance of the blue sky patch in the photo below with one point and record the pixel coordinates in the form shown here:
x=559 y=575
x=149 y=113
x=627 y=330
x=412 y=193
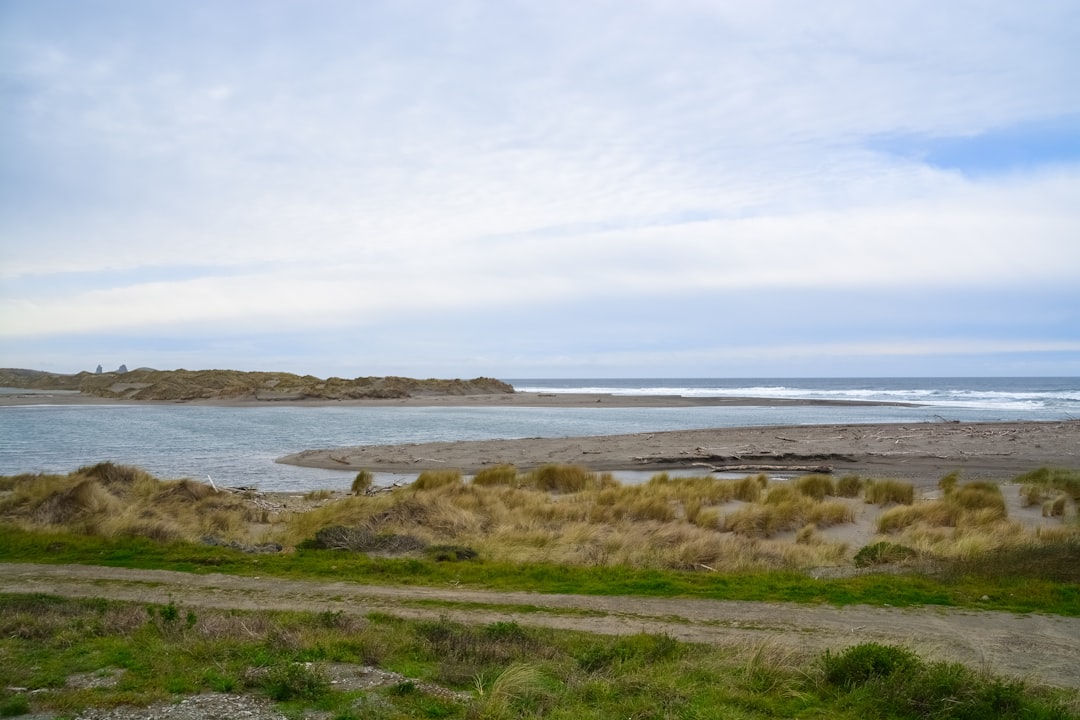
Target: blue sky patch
x=1019 y=147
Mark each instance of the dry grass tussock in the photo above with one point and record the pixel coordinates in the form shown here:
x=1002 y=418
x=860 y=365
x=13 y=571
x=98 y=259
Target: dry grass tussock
x=558 y=515
x=970 y=520
x=117 y=501
x=567 y=515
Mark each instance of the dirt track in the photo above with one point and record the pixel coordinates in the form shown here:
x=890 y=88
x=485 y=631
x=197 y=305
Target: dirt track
x=1041 y=649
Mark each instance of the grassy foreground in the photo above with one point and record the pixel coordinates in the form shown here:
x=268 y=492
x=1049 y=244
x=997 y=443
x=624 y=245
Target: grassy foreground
x=542 y=532
x=563 y=529
x=74 y=654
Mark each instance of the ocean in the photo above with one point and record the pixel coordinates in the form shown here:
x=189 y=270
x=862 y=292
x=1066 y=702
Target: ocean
x=238 y=446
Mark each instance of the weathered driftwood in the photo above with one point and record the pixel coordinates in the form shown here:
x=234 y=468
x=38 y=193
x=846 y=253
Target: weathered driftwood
x=824 y=469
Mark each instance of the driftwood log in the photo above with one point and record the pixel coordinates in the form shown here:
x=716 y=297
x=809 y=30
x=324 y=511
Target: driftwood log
x=822 y=469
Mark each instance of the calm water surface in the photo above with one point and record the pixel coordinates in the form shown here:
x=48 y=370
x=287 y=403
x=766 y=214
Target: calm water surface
x=238 y=446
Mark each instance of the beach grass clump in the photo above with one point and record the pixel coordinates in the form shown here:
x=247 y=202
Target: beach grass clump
x=671 y=524
x=817 y=487
x=975 y=496
x=568 y=479
x=849 y=486
x=973 y=504
x=1055 y=507
x=362 y=482
x=1054 y=489
x=1060 y=479
x=749 y=489
x=112 y=500
x=431 y=479
x=785 y=508
x=496 y=475
x=886 y=492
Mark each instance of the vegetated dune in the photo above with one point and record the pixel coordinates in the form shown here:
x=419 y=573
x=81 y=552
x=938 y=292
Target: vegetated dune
x=179 y=385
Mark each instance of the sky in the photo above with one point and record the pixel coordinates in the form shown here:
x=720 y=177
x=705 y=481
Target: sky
x=447 y=188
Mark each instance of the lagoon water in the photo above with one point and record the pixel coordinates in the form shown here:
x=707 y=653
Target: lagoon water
x=238 y=446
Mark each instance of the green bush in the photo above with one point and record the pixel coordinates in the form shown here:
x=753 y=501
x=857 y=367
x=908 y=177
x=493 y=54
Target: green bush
x=888 y=681
x=632 y=650
x=14 y=706
x=860 y=664
x=295 y=681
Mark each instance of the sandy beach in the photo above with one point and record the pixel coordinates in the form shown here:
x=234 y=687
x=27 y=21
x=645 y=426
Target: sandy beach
x=921 y=452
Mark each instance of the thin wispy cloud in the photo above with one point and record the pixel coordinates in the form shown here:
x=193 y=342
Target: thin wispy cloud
x=361 y=179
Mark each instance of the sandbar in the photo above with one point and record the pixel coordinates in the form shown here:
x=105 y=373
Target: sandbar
x=921 y=452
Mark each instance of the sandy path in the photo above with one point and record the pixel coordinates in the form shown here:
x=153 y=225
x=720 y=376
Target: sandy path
x=921 y=452
x=1041 y=649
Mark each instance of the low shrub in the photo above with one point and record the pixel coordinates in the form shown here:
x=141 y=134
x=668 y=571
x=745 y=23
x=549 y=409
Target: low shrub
x=883 y=553
x=451 y=553
x=639 y=650
x=362 y=539
x=295 y=681
x=891 y=681
x=860 y=664
x=14 y=706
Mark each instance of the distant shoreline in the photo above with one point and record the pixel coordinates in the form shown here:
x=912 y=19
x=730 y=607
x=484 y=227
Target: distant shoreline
x=516 y=399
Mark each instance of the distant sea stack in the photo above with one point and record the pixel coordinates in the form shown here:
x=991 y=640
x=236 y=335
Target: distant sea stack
x=182 y=385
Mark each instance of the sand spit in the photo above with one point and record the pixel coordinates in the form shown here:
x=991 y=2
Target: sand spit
x=918 y=452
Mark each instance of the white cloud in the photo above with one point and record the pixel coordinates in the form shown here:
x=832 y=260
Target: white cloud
x=375 y=160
